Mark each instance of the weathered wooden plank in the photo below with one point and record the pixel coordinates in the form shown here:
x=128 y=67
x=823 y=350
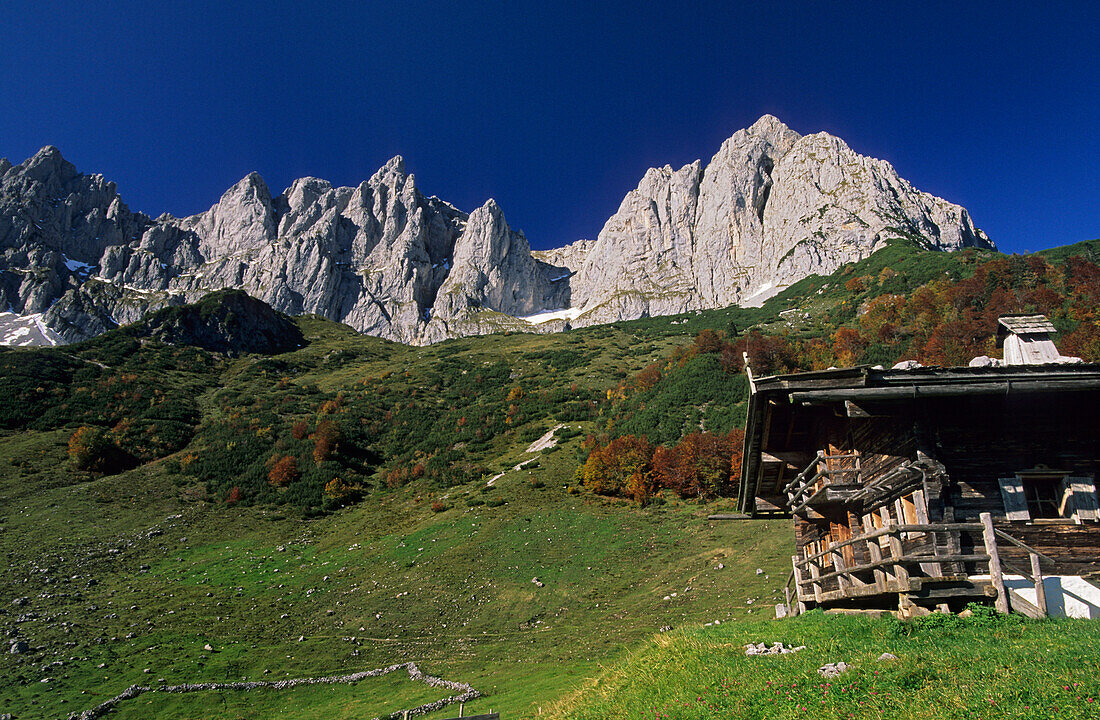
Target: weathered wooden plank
x=814 y=572
x=901 y=573
x=920 y=508
x=798 y=584
x=874 y=551
x=904 y=561
x=1040 y=588
x=994 y=563
x=931 y=528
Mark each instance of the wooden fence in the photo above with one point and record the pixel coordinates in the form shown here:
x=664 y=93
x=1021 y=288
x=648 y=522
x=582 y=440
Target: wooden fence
x=899 y=558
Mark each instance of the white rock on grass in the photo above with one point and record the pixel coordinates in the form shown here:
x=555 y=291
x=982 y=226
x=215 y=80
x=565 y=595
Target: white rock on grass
x=776 y=649
x=832 y=670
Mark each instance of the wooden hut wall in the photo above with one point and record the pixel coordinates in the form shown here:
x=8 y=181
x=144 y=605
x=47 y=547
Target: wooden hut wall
x=883 y=443
x=981 y=440
x=1076 y=548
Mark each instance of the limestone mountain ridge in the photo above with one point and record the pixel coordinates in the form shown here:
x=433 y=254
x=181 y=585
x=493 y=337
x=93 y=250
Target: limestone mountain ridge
x=771 y=207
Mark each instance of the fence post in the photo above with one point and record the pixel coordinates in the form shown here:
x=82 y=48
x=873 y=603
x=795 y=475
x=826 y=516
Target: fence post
x=798 y=585
x=1040 y=589
x=897 y=554
x=995 y=575
x=814 y=572
x=842 y=582
x=874 y=552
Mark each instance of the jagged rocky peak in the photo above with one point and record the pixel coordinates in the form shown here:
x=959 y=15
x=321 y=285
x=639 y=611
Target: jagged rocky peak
x=494 y=269
x=243 y=219
x=48 y=165
x=391 y=174
x=770 y=207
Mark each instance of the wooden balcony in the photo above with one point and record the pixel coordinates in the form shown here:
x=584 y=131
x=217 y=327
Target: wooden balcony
x=932 y=565
x=828 y=479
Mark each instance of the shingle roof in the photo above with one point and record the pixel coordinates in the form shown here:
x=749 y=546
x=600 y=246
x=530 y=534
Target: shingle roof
x=1022 y=325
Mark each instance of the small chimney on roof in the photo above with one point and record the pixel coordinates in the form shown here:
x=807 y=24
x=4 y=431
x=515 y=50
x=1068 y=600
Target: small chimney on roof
x=1026 y=340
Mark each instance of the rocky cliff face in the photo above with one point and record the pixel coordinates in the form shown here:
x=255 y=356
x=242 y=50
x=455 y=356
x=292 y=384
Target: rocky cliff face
x=771 y=207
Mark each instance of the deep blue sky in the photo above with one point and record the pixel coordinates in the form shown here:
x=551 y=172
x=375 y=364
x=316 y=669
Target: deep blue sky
x=556 y=109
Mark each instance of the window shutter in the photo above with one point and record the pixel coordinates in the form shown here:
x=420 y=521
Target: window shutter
x=1084 y=497
x=1012 y=491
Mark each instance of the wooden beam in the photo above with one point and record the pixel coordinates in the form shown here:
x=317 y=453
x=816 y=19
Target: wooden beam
x=1040 y=588
x=948 y=389
x=814 y=573
x=921 y=508
x=1001 y=603
x=798 y=585
x=901 y=573
x=874 y=552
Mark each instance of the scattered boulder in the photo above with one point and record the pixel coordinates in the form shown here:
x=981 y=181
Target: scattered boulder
x=832 y=670
x=776 y=649
x=19 y=647
x=537 y=582
x=887 y=657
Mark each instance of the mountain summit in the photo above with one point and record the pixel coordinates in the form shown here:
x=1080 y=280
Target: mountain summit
x=771 y=207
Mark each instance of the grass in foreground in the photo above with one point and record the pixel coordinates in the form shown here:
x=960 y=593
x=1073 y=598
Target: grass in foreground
x=999 y=667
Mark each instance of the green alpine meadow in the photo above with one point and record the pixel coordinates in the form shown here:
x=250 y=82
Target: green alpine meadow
x=525 y=518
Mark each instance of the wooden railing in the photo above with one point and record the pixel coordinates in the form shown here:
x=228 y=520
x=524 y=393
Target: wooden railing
x=817 y=476
x=890 y=566
x=1035 y=576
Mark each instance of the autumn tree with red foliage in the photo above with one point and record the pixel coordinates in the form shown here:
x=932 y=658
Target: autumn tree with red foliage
x=768 y=354
x=708 y=341
x=848 y=345
x=702 y=464
x=325 y=438
x=622 y=463
x=89 y=448
x=283 y=470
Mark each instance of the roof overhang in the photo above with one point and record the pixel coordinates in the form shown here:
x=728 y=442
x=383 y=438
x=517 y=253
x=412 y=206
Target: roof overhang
x=870 y=384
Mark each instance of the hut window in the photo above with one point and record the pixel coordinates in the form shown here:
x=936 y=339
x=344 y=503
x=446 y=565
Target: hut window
x=1039 y=496
x=1047 y=496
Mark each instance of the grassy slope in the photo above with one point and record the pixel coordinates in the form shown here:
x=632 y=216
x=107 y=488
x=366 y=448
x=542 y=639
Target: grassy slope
x=1010 y=668
x=216 y=575
x=451 y=590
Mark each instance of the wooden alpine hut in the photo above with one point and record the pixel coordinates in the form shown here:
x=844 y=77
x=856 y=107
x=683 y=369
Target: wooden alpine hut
x=919 y=488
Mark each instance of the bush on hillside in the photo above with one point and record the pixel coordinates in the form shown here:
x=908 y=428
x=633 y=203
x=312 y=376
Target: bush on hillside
x=92 y=449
